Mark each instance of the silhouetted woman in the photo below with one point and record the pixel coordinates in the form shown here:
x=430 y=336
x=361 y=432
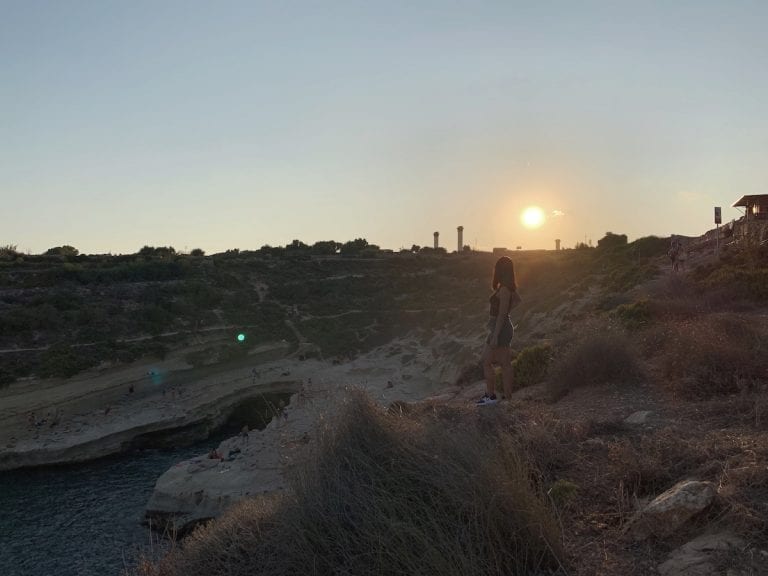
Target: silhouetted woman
x=496 y=351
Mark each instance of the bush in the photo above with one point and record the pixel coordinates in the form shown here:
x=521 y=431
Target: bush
x=62 y=361
x=633 y=316
x=714 y=355
x=387 y=494
x=600 y=357
x=530 y=366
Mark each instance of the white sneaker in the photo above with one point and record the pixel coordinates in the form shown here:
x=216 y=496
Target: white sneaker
x=487 y=400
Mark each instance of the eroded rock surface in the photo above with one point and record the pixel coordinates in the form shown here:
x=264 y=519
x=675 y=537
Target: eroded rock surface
x=699 y=557
x=669 y=511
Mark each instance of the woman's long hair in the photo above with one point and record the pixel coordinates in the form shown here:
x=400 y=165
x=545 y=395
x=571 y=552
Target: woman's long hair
x=504 y=274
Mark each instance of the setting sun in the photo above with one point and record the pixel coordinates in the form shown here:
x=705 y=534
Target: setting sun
x=532 y=217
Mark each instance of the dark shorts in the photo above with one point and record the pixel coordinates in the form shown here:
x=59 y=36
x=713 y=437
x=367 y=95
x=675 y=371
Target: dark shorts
x=505 y=335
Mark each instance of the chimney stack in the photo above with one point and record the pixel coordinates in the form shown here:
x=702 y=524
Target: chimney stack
x=460 y=230
x=437 y=239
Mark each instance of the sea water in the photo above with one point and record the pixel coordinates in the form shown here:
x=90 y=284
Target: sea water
x=86 y=519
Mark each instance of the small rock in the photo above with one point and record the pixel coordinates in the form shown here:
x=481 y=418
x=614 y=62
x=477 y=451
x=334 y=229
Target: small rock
x=669 y=511
x=697 y=557
x=640 y=417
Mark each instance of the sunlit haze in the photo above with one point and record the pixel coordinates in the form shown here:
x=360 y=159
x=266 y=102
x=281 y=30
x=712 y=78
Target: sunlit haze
x=237 y=124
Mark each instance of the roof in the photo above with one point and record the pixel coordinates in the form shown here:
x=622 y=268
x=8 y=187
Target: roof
x=751 y=199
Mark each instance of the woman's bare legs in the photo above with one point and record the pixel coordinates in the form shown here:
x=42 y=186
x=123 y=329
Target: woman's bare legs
x=505 y=359
x=488 y=372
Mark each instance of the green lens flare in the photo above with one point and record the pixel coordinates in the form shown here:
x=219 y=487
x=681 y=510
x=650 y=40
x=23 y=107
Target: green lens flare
x=241 y=337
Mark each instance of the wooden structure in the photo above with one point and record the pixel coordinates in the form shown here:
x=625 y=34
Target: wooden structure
x=755 y=206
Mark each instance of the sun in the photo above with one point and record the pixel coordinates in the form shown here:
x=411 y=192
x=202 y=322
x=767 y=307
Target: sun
x=532 y=217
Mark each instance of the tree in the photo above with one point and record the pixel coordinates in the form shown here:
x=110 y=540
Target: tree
x=326 y=248
x=9 y=251
x=354 y=247
x=296 y=245
x=611 y=240
x=197 y=252
x=157 y=252
x=65 y=250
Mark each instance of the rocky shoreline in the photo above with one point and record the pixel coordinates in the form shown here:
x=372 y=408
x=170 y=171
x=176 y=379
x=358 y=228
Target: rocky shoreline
x=185 y=426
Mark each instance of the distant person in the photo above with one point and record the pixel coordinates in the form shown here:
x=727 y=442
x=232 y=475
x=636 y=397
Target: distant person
x=245 y=434
x=674 y=251
x=682 y=256
x=496 y=351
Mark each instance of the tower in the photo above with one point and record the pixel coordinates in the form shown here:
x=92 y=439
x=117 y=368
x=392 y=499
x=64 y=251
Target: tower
x=557 y=244
x=437 y=239
x=460 y=230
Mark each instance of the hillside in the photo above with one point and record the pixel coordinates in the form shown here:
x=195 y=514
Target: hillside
x=60 y=315
x=652 y=383
x=603 y=335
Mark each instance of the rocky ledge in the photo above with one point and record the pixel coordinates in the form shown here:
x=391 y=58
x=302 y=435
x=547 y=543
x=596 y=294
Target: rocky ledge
x=186 y=425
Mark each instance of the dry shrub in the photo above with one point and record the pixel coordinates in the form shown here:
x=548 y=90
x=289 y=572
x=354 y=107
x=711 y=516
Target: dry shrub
x=714 y=355
x=649 y=464
x=388 y=493
x=597 y=357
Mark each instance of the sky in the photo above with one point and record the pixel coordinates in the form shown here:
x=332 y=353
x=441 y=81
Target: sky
x=235 y=124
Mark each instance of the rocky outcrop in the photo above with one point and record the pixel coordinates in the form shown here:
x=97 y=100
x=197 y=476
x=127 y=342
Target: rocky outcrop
x=186 y=427
x=243 y=466
x=699 y=557
x=669 y=511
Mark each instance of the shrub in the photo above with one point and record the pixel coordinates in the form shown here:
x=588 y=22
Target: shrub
x=530 y=366
x=387 y=494
x=611 y=240
x=62 y=361
x=633 y=316
x=714 y=355
x=600 y=357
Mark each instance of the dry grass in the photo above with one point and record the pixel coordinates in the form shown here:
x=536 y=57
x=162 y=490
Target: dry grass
x=427 y=492
x=713 y=355
x=598 y=356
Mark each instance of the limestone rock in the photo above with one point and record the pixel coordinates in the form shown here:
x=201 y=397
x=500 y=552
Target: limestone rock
x=669 y=511
x=697 y=557
x=640 y=417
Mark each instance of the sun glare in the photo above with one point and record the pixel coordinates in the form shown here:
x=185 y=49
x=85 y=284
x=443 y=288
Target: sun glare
x=532 y=217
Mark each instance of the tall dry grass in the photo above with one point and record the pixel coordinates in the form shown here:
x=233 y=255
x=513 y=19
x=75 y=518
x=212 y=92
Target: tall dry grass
x=388 y=493
x=597 y=355
x=714 y=355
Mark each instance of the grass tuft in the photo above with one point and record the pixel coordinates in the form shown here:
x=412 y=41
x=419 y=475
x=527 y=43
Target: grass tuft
x=598 y=357
x=389 y=493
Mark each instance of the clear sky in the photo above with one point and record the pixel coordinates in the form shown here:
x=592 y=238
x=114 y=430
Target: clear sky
x=240 y=123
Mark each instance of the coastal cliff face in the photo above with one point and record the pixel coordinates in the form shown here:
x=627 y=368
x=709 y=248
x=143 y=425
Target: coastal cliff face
x=203 y=487
x=406 y=370
x=188 y=423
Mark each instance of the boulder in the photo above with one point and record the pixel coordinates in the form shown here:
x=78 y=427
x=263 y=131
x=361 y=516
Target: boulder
x=640 y=417
x=698 y=557
x=669 y=511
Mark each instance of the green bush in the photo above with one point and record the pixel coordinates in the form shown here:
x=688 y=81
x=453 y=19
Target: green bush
x=530 y=366
x=633 y=316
